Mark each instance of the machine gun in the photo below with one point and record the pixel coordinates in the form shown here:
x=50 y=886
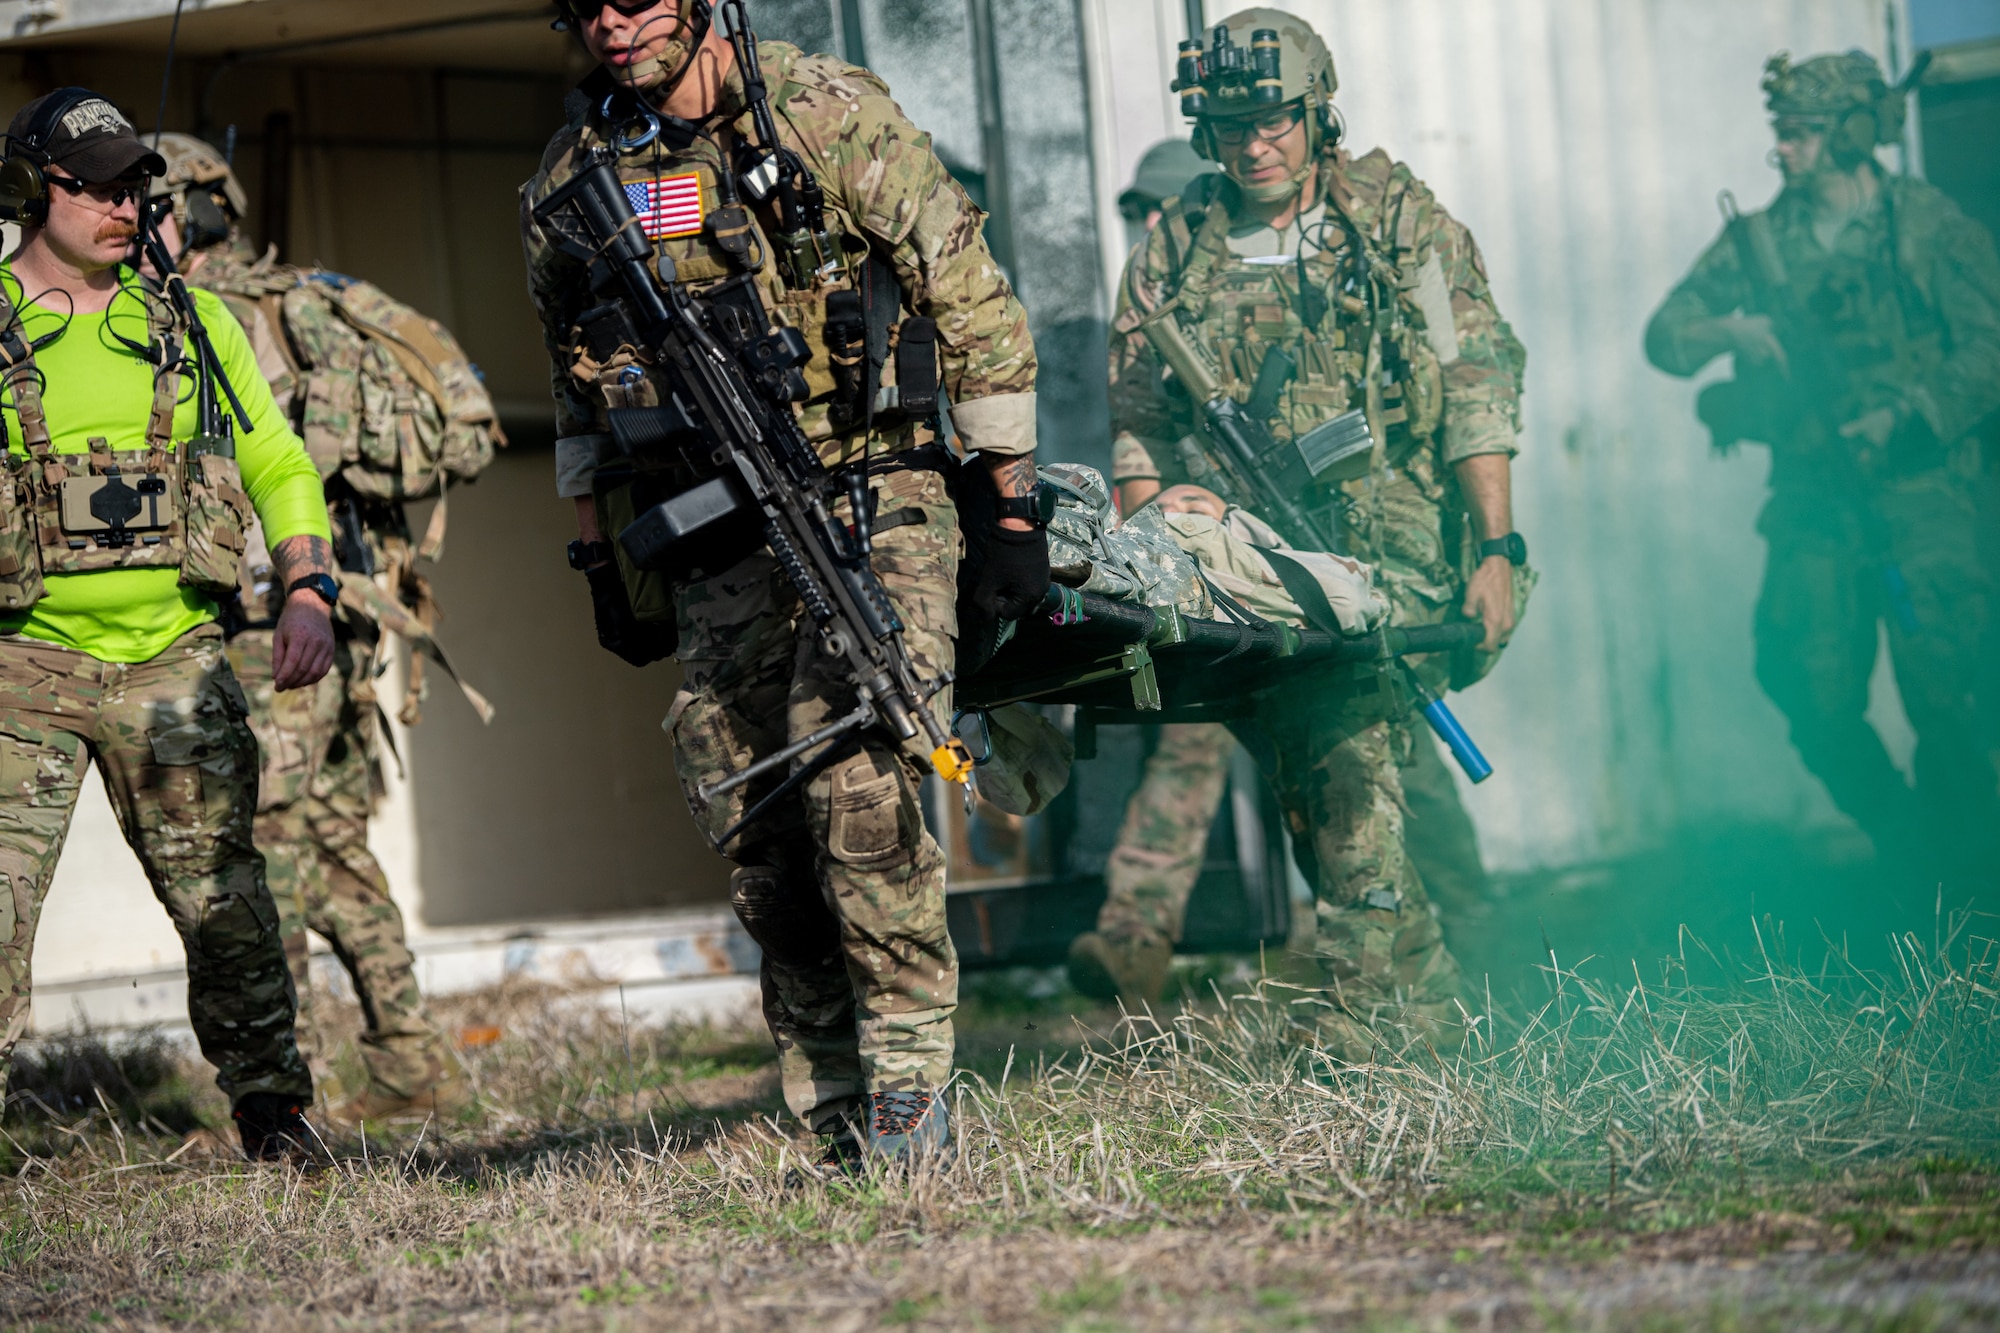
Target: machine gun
x=1811 y=387
x=1265 y=475
x=733 y=377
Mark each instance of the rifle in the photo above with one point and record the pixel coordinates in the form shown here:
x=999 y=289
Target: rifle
x=1814 y=386
x=733 y=376
x=1265 y=475
x=213 y=433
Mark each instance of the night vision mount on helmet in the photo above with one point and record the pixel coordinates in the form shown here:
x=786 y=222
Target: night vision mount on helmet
x=1251 y=64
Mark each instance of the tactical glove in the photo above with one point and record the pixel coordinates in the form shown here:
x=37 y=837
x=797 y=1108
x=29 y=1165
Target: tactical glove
x=1016 y=573
x=618 y=631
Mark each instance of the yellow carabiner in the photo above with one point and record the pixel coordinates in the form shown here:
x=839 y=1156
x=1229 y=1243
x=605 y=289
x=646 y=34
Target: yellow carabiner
x=952 y=761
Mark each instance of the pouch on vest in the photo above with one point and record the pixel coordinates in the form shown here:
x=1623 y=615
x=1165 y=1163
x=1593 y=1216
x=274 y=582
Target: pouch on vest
x=20 y=554
x=218 y=521
x=105 y=509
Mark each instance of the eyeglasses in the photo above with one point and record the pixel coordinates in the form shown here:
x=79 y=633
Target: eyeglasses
x=582 y=11
x=1270 y=128
x=110 y=196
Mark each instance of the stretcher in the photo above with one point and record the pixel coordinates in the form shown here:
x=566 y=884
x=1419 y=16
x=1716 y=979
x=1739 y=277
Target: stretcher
x=1122 y=662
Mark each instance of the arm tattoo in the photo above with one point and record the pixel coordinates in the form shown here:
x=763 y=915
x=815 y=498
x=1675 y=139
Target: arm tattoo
x=295 y=558
x=1014 y=475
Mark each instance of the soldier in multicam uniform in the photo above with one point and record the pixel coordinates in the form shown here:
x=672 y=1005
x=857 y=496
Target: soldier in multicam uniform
x=1350 y=266
x=122 y=516
x=842 y=887
x=1161 y=844
x=1863 y=313
x=321 y=774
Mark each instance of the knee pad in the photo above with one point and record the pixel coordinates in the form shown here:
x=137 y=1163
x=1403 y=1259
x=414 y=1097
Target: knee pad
x=872 y=816
x=789 y=921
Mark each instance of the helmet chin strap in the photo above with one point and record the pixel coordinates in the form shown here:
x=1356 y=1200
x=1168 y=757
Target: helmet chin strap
x=651 y=75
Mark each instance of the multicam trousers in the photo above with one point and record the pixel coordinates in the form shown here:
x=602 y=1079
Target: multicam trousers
x=180 y=767
x=841 y=885
x=1381 y=953
x=312 y=825
x=1823 y=596
x=1153 y=869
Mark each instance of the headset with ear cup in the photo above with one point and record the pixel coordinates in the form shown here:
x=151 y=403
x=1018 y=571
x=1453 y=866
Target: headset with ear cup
x=24 y=185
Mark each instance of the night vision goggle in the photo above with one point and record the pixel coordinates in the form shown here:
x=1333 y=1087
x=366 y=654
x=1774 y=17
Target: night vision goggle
x=1249 y=79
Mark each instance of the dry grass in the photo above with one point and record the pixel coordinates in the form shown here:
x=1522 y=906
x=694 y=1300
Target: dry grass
x=1792 y=1150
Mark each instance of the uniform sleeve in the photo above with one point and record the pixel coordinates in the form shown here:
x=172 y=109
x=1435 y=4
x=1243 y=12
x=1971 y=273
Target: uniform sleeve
x=1965 y=388
x=1144 y=424
x=1481 y=359
x=882 y=170
x=1713 y=288
x=284 y=485
x=554 y=280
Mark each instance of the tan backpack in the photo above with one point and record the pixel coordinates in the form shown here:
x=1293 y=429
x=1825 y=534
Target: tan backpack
x=385 y=397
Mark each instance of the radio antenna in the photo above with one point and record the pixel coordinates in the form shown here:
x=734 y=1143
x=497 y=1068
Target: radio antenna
x=167 y=74
x=1196 y=23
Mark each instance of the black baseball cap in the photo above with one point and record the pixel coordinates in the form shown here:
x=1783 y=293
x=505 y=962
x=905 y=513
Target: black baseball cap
x=90 y=138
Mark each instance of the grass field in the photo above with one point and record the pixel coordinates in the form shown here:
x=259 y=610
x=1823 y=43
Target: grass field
x=1798 y=1147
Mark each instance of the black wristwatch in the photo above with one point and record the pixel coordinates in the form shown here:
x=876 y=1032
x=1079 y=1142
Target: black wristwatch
x=583 y=554
x=1037 y=506
x=1514 y=546
x=323 y=584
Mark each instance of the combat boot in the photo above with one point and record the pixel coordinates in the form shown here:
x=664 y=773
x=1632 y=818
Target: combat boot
x=906 y=1126
x=1134 y=970
x=377 y=1105
x=274 y=1128
x=841 y=1158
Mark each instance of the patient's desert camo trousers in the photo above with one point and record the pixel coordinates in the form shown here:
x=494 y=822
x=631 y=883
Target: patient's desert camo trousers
x=842 y=888
x=312 y=826
x=180 y=768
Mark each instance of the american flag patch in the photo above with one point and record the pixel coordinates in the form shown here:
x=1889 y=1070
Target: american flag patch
x=668 y=205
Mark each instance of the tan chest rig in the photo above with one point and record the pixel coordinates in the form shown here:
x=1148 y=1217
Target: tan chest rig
x=872 y=376
x=161 y=506
x=1343 y=316
x=854 y=388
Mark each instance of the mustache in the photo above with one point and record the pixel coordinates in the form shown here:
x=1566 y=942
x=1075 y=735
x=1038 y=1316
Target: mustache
x=114 y=230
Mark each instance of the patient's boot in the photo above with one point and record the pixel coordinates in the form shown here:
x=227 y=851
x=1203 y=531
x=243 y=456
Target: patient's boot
x=1133 y=969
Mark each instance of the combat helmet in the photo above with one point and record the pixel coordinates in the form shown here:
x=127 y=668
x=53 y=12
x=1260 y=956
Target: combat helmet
x=207 y=198
x=1846 y=94
x=1258 y=60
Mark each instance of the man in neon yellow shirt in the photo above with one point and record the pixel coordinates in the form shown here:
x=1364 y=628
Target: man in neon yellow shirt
x=121 y=520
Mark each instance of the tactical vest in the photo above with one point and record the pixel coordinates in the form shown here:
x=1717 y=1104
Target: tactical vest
x=873 y=372
x=1351 y=317
x=1365 y=318
x=149 y=508
x=868 y=354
